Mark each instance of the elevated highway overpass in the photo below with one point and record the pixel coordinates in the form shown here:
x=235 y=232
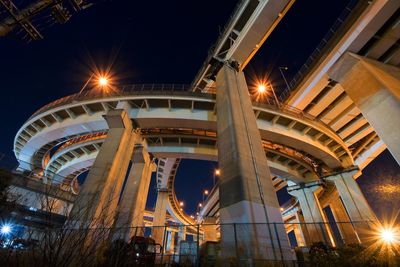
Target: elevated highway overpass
x=372 y=30
x=63 y=139
x=312 y=140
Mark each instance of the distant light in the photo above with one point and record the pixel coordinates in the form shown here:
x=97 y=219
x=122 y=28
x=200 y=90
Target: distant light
x=103 y=81
x=387 y=235
x=281 y=209
x=205 y=192
x=200 y=205
x=181 y=203
x=217 y=172
x=261 y=88
x=5 y=229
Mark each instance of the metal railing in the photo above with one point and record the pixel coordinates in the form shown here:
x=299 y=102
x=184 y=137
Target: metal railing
x=293 y=111
x=30 y=172
x=170 y=89
x=312 y=59
x=120 y=91
x=234 y=244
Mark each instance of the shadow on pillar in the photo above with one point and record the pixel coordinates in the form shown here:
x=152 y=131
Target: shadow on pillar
x=247 y=198
x=97 y=201
x=356 y=206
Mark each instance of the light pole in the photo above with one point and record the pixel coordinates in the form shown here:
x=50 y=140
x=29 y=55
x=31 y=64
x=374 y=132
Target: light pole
x=205 y=193
x=273 y=92
x=217 y=172
x=87 y=82
x=262 y=89
x=102 y=81
x=199 y=207
x=283 y=76
x=181 y=204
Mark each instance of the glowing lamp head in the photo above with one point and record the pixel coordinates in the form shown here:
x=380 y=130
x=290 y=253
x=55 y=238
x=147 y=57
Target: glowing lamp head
x=103 y=81
x=261 y=89
x=5 y=229
x=181 y=203
x=217 y=172
x=205 y=192
x=387 y=236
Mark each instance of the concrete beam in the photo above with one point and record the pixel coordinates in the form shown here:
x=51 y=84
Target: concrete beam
x=374 y=87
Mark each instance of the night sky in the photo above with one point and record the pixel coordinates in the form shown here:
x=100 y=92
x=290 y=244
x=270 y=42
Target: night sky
x=162 y=42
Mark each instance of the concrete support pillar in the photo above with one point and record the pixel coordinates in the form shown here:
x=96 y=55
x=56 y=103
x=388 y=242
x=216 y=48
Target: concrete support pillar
x=343 y=223
x=171 y=242
x=210 y=229
x=375 y=89
x=160 y=215
x=181 y=237
x=245 y=188
x=313 y=215
x=134 y=196
x=353 y=199
x=300 y=231
x=97 y=201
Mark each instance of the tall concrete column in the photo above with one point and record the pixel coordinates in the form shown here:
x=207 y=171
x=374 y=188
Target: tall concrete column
x=160 y=215
x=210 y=229
x=134 y=196
x=300 y=231
x=354 y=201
x=171 y=242
x=313 y=215
x=344 y=225
x=245 y=188
x=97 y=201
x=375 y=89
x=181 y=237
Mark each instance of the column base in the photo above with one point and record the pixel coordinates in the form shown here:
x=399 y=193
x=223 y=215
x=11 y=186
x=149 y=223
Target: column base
x=246 y=235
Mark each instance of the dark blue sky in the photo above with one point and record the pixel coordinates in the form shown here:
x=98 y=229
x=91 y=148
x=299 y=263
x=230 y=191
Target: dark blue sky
x=150 y=42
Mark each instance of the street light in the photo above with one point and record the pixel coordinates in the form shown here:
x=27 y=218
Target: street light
x=205 y=193
x=103 y=81
x=5 y=229
x=217 y=172
x=262 y=89
x=181 y=203
x=387 y=236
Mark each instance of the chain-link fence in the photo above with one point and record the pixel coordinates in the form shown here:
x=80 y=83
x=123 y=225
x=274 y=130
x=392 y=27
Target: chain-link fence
x=237 y=244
